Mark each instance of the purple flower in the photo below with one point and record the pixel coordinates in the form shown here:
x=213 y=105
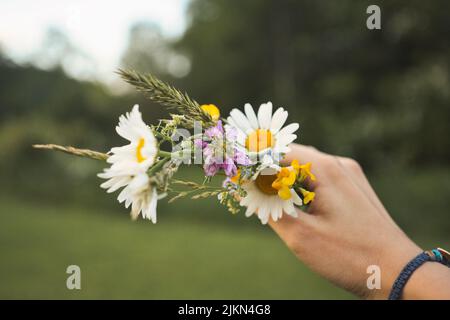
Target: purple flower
x=215 y=131
x=229 y=167
x=199 y=143
x=211 y=169
x=220 y=151
x=241 y=158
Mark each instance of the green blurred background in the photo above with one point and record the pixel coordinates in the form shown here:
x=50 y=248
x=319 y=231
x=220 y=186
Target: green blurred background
x=381 y=97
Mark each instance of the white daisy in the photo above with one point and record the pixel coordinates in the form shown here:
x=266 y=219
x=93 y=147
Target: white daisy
x=140 y=153
x=267 y=201
x=142 y=197
x=130 y=163
x=263 y=132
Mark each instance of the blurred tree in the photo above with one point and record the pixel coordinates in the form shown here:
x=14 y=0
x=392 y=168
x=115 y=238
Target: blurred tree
x=47 y=106
x=380 y=96
x=58 y=51
x=149 y=51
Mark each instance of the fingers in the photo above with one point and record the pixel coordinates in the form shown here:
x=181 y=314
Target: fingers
x=357 y=175
x=325 y=167
x=294 y=231
x=302 y=153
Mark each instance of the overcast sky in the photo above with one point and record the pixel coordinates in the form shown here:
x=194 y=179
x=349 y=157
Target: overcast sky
x=99 y=28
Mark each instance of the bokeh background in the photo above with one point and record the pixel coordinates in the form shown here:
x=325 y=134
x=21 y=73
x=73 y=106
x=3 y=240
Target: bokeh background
x=381 y=97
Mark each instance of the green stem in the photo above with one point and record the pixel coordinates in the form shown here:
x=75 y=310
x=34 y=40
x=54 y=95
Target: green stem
x=167 y=154
x=164 y=154
x=157 y=166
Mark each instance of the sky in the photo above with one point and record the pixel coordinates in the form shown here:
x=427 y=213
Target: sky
x=98 y=28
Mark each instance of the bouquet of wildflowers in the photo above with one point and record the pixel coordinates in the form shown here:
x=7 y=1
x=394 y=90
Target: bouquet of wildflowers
x=243 y=149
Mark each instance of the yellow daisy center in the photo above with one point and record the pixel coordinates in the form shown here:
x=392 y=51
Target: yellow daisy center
x=212 y=110
x=259 y=139
x=139 y=156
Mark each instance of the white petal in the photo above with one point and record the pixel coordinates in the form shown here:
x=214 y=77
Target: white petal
x=278 y=120
x=118 y=183
x=151 y=203
x=291 y=128
x=128 y=202
x=296 y=198
x=139 y=183
x=286 y=139
x=290 y=209
x=135 y=210
x=232 y=123
x=265 y=115
x=240 y=119
x=251 y=116
x=265 y=217
x=250 y=210
x=124 y=194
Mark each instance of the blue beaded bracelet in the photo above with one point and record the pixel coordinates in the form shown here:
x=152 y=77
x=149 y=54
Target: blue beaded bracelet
x=437 y=255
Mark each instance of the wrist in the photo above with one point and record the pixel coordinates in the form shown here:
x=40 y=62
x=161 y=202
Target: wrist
x=430 y=281
x=392 y=261
x=422 y=276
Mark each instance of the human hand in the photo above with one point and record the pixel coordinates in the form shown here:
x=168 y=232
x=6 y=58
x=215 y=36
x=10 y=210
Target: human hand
x=346 y=228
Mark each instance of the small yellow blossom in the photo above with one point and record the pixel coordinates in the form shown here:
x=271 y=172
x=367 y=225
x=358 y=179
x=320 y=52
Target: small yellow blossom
x=296 y=166
x=212 y=110
x=308 y=196
x=305 y=172
x=284 y=181
x=235 y=179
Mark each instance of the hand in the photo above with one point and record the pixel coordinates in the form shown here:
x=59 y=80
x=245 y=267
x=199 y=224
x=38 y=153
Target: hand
x=346 y=229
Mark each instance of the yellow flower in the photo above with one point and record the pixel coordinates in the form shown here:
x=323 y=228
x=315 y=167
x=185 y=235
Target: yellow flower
x=305 y=172
x=284 y=181
x=308 y=196
x=296 y=166
x=212 y=110
x=237 y=177
x=285 y=193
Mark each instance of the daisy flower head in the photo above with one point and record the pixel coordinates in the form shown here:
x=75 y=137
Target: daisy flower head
x=140 y=153
x=263 y=132
x=142 y=196
x=130 y=163
x=271 y=192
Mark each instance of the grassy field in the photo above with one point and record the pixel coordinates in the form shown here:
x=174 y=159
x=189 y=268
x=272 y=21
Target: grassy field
x=196 y=251
x=119 y=259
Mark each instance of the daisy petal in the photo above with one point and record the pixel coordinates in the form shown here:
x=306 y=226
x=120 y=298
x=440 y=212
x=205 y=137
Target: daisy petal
x=291 y=128
x=278 y=120
x=286 y=139
x=265 y=115
x=251 y=116
x=296 y=198
x=240 y=119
